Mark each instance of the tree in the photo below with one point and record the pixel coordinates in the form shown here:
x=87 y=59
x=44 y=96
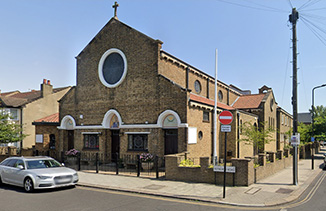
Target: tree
x=257 y=137
x=319 y=126
x=305 y=132
x=9 y=130
x=320 y=122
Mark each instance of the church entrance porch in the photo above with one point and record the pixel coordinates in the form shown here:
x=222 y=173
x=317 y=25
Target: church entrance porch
x=115 y=144
x=170 y=141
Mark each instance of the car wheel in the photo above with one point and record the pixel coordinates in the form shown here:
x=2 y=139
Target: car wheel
x=28 y=185
x=0 y=181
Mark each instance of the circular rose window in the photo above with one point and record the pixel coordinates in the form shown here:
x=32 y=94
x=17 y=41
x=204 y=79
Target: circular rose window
x=112 y=68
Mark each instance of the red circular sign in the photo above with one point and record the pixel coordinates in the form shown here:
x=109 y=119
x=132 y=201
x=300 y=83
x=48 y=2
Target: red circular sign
x=225 y=117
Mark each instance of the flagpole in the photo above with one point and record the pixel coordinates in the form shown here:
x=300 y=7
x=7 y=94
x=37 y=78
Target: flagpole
x=215 y=112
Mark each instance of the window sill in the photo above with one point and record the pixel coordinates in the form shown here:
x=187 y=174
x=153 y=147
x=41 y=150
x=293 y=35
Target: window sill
x=91 y=149
x=134 y=150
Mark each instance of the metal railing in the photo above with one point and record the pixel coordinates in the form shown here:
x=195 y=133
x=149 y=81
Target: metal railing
x=124 y=164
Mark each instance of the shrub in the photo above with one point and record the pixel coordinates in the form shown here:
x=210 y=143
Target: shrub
x=188 y=163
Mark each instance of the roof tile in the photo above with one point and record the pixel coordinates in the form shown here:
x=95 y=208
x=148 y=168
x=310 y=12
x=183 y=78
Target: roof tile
x=249 y=101
x=210 y=102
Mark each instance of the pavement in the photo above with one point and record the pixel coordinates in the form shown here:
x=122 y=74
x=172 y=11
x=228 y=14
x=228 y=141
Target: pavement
x=274 y=190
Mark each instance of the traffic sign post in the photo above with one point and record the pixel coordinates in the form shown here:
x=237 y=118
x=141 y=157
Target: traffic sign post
x=225 y=119
x=295 y=142
x=226 y=128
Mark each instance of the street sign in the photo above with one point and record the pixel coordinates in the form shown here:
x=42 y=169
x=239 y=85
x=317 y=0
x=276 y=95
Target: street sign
x=312 y=139
x=226 y=128
x=229 y=169
x=295 y=139
x=225 y=117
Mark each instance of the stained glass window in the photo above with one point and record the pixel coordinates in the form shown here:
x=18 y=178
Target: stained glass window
x=137 y=142
x=91 y=141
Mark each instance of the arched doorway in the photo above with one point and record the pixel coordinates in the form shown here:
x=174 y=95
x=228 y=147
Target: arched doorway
x=68 y=123
x=170 y=127
x=115 y=138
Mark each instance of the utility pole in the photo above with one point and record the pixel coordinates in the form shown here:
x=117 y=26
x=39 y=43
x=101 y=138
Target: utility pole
x=293 y=19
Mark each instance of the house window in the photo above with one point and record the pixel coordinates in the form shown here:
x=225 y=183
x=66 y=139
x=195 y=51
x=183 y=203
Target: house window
x=197 y=87
x=52 y=141
x=91 y=141
x=200 y=135
x=137 y=142
x=206 y=116
x=12 y=112
x=240 y=126
x=220 y=96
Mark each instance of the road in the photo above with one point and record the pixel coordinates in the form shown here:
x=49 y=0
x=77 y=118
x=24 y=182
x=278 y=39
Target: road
x=80 y=198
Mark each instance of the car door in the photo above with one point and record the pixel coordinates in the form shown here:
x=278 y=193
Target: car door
x=7 y=171
x=3 y=168
x=18 y=174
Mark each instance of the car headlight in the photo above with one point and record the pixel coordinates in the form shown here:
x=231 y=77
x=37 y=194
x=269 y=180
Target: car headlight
x=44 y=177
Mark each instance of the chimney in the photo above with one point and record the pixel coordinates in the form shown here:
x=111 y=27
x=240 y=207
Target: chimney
x=46 y=88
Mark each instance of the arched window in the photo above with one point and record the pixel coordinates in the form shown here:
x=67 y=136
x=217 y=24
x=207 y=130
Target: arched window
x=170 y=121
x=114 y=122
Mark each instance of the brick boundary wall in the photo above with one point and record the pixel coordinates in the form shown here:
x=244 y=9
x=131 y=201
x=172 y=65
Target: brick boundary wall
x=245 y=174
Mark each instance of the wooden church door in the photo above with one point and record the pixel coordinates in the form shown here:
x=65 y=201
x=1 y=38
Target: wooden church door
x=171 y=141
x=115 y=144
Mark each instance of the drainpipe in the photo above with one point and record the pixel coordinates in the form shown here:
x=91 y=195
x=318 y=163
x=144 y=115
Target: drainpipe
x=187 y=78
x=238 y=135
x=207 y=88
x=228 y=102
x=21 y=126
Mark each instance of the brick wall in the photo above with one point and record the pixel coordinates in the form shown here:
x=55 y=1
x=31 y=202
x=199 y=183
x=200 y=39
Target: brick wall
x=243 y=176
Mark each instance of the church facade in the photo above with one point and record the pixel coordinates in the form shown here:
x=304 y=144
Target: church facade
x=133 y=97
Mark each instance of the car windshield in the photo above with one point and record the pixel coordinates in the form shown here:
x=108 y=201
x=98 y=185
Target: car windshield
x=39 y=164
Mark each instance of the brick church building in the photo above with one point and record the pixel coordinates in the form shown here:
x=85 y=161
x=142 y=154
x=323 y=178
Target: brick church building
x=133 y=97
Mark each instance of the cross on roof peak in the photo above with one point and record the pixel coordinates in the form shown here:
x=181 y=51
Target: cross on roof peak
x=115 y=6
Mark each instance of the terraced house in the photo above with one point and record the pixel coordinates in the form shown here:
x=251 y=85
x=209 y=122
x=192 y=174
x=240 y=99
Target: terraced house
x=26 y=107
x=132 y=97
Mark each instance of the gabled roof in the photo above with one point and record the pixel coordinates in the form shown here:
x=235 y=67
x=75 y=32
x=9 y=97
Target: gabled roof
x=8 y=93
x=12 y=101
x=112 y=21
x=249 y=101
x=49 y=120
x=17 y=99
x=209 y=102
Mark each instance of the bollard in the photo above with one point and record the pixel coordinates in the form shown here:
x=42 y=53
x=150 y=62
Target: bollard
x=138 y=165
x=117 y=164
x=96 y=162
x=156 y=166
x=78 y=160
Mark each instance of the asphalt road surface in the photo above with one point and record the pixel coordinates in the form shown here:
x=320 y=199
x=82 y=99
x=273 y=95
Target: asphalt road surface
x=80 y=198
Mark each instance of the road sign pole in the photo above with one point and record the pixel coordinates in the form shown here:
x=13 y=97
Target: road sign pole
x=224 y=183
x=225 y=118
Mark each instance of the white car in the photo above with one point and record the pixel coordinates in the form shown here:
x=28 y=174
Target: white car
x=36 y=173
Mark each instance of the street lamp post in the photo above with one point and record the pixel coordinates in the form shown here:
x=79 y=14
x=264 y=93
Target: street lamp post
x=313 y=120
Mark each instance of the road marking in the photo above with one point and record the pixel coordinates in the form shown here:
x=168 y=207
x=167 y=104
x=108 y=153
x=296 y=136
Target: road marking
x=212 y=204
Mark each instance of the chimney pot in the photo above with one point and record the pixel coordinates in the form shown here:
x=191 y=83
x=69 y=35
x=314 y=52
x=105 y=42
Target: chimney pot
x=49 y=82
x=44 y=81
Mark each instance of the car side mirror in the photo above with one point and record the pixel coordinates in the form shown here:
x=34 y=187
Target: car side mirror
x=20 y=167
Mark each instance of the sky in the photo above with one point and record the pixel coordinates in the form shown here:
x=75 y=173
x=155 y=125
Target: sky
x=39 y=39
